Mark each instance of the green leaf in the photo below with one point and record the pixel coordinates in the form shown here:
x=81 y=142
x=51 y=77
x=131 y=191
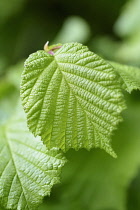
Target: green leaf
x=14 y=74
x=74 y=29
x=128 y=21
x=72 y=99
x=129 y=51
x=9 y=91
x=130 y=76
x=133 y=198
x=8 y=100
x=27 y=169
x=95 y=181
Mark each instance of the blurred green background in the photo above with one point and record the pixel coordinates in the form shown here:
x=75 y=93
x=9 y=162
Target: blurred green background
x=90 y=180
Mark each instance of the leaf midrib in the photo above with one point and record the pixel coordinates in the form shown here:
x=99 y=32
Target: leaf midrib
x=93 y=123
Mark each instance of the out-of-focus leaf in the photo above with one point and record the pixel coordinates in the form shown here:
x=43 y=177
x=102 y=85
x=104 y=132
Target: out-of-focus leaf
x=14 y=74
x=5 y=87
x=133 y=197
x=128 y=26
x=95 y=181
x=129 y=21
x=105 y=46
x=8 y=100
x=9 y=91
x=74 y=29
x=129 y=50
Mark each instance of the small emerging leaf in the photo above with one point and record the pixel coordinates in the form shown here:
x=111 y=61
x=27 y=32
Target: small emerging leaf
x=72 y=99
x=27 y=169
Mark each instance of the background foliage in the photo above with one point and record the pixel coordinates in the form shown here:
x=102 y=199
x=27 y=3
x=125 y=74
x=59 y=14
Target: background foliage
x=90 y=180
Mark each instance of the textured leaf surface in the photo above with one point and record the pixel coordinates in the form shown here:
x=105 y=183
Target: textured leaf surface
x=95 y=181
x=130 y=76
x=27 y=169
x=72 y=99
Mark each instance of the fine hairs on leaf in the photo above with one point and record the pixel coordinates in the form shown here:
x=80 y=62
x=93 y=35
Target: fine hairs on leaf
x=28 y=170
x=72 y=98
